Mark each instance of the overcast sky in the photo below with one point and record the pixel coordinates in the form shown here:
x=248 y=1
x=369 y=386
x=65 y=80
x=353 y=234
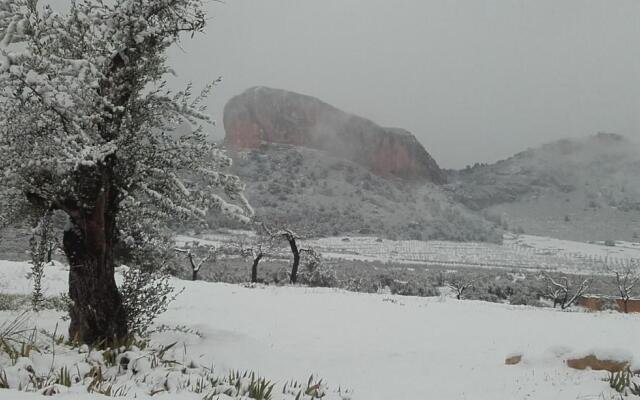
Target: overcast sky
x=474 y=80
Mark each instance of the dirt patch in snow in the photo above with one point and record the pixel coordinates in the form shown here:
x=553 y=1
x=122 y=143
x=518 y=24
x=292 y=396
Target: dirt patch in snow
x=597 y=364
x=513 y=360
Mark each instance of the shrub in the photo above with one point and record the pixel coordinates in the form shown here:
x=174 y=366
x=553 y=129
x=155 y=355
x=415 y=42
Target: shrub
x=413 y=288
x=41 y=247
x=17 y=302
x=145 y=296
x=622 y=382
x=316 y=273
x=61 y=302
x=525 y=299
x=13 y=302
x=404 y=285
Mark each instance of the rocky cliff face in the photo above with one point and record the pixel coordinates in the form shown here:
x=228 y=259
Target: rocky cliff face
x=269 y=115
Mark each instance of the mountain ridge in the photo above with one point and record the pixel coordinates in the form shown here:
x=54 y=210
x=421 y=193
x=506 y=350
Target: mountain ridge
x=578 y=189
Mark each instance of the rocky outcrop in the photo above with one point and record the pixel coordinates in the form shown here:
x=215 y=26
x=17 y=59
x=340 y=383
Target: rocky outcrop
x=269 y=115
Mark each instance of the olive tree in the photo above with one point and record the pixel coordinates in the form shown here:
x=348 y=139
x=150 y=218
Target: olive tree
x=87 y=128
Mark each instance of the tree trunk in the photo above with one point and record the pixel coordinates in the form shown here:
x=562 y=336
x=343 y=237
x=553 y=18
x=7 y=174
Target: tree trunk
x=563 y=302
x=254 y=268
x=50 y=253
x=97 y=312
x=194 y=268
x=296 y=260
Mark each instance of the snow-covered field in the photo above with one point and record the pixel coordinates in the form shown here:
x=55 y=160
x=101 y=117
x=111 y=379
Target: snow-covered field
x=620 y=252
x=380 y=346
x=516 y=252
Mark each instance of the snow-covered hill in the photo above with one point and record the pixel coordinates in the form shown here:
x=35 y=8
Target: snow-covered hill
x=380 y=346
x=578 y=189
x=318 y=194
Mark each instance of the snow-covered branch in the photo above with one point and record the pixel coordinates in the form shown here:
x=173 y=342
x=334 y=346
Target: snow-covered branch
x=563 y=292
x=627 y=280
x=87 y=86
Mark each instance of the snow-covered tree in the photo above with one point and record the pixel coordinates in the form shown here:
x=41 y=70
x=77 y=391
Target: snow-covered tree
x=627 y=280
x=256 y=248
x=459 y=284
x=86 y=127
x=292 y=239
x=257 y=252
x=197 y=255
x=564 y=292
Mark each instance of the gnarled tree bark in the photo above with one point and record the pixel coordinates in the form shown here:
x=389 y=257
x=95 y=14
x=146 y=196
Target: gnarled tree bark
x=97 y=312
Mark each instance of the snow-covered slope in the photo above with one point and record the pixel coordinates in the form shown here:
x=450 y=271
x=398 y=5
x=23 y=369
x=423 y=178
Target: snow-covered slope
x=386 y=347
x=319 y=194
x=578 y=189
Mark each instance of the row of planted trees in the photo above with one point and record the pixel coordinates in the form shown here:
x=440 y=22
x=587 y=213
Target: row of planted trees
x=265 y=244
x=564 y=291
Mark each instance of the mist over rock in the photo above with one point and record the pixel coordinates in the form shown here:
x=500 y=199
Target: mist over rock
x=263 y=114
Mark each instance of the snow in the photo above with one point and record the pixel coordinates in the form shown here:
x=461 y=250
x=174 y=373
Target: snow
x=385 y=350
x=14 y=278
x=380 y=346
x=621 y=251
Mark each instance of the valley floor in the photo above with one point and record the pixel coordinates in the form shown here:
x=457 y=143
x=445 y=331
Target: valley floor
x=381 y=346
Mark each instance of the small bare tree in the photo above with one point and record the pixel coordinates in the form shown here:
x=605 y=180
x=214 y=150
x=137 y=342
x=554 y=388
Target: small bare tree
x=192 y=253
x=626 y=281
x=255 y=248
x=256 y=251
x=563 y=292
x=459 y=285
x=292 y=239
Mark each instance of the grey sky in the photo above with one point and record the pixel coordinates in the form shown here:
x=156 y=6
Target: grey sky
x=474 y=80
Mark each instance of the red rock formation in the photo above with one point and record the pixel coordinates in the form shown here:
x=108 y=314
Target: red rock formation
x=270 y=115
